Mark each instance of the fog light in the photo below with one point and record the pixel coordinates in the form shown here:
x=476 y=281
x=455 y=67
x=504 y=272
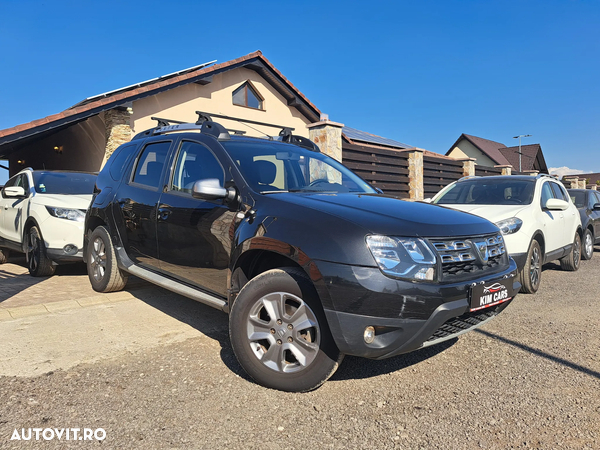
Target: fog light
x=369 y=335
x=70 y=249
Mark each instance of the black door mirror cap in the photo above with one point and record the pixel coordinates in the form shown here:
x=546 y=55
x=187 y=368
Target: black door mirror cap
x=596 y=206
x=211 y=189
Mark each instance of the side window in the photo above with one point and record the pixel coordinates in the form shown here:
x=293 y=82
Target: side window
x=119 y=159
x=546 y=194
x=195 y=162
x=23 y=182
x=594 y=198
x=150 y=164
x=9 y=183
x=558 y=193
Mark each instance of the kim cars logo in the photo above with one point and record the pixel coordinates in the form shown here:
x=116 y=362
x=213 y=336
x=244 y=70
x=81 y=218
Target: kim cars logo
x=496 y=287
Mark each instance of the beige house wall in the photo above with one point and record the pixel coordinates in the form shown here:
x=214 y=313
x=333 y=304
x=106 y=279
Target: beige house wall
x=182 y=102
x=464 y=149
x=82 y=149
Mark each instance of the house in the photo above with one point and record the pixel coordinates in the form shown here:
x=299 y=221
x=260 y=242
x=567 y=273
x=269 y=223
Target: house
x=83 y=136
x=491 y=153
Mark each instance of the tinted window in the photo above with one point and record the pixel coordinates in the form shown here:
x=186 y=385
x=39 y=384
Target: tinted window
x=278 y=167
x=195 y=162
x=150 y=164
x=558 y=192
x=592 y=199
x=597 y=196
x=546 y=194
x=119 y=159
x=73 y=183
x=489 y=191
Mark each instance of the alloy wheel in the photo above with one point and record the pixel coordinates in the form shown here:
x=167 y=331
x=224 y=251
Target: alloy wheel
x=589 y=245
x=283 y=332
x=534 y=271
x=98 y=259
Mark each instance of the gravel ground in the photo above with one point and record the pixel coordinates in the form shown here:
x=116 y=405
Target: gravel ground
x=528 y=379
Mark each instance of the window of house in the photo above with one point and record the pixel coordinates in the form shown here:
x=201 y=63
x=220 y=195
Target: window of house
x=247 y=95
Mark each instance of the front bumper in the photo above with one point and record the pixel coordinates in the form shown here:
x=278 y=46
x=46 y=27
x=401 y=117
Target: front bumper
x=406 y=316
x=59 y=256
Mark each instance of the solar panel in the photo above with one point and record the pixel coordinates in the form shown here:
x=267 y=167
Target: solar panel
x=357 y=135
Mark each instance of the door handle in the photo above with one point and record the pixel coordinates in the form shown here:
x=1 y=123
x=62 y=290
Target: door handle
x=163 y=213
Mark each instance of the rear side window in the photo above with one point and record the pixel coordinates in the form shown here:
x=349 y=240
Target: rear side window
x=119 y=159
x=150 y=164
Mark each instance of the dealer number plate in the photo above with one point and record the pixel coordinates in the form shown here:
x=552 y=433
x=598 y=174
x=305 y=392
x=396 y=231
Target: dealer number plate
x=491 y=293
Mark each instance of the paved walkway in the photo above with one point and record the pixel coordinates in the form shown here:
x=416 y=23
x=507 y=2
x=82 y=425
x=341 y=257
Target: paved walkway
x=60 y=321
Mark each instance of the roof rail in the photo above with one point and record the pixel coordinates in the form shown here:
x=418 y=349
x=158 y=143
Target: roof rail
x=205 y=126
x=468 y=177
x=287 y=136
x=540 y=175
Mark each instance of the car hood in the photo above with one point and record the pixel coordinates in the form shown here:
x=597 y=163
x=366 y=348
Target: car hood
x=380 y=214
x=64 y=201
x=493 y=213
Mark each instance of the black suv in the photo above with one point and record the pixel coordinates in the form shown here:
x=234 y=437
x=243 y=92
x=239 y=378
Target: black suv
x=308 y=259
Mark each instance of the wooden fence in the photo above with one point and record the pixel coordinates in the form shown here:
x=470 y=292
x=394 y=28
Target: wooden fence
x=483 y=171
x=385 y=169
x=439 y=173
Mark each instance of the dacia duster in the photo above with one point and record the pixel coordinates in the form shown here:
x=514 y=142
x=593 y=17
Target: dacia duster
x=308 y=259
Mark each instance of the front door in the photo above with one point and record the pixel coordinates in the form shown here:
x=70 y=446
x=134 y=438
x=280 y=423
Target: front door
x=195 y=235
x=11 y=211
x=138 y=202
x=553 y=223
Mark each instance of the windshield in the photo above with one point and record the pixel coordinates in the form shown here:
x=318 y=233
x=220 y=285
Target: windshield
x=74 y=183
x=489 y=192
x=578 y=198
x=271 y=167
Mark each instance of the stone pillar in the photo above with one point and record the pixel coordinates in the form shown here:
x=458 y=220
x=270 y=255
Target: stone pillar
x=416 y=190
x=533 y=173
x=328 y=136
x=571 y=182
x=583 y=183
x=117 y=123
x=506 y=169
x=468 y=167
x=594 y=187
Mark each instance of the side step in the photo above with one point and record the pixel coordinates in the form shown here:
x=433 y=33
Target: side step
x=170 y=284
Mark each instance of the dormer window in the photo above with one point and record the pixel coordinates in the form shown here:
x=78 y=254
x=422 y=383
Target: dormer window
x=247 y=95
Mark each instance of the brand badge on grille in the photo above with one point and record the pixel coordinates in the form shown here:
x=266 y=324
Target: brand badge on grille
x=482 y=249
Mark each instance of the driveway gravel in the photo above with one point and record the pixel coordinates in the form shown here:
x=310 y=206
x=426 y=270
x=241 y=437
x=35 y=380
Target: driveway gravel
x=528 y=379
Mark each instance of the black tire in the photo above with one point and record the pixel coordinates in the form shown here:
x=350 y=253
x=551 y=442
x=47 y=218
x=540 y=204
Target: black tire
x=572 y=260
x=102 y=268
x=4 y=254
x=301 y=359
x=37 y=261
x=587 y=245
x=531 y=275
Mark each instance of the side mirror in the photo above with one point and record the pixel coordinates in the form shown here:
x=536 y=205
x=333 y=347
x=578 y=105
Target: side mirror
x=14 y=192
x=555 y=204
x=596 y=206
x=379 y=191
x=211 y=189
x=427 y=200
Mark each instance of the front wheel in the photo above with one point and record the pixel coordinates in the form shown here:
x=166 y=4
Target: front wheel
x=531 y=275
x=4 y=252
x=37 y=261
x=587 y=245
x=572 y=260
x=102 y=269
x=279 y=333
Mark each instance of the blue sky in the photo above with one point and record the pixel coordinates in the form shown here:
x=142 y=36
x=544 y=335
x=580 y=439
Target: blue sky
x=421 y=72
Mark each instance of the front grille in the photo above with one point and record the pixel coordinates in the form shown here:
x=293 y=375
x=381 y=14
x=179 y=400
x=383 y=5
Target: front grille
x=462 y=258
x=462 y=323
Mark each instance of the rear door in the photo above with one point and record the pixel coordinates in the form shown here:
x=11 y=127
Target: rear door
x=594 y=198
x=138 y=203
x=195 y=235
x=569 y=216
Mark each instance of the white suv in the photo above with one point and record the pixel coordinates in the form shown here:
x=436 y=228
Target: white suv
x=42 y=214
x=539 y=221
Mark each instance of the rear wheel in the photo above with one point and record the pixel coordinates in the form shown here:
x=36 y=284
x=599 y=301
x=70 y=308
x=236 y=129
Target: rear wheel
x=103 y=272
x=572 y=260
x=279 y=332
x=587 y=246
x=4 y=252
x=38 y=263
x=531 y=275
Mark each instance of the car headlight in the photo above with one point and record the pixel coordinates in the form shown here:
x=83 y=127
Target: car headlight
x=509 y=226
x=409 y=258
x=70 y=214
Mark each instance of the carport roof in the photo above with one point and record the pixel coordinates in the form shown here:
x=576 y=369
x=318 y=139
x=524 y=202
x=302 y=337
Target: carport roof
x=120 y=97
